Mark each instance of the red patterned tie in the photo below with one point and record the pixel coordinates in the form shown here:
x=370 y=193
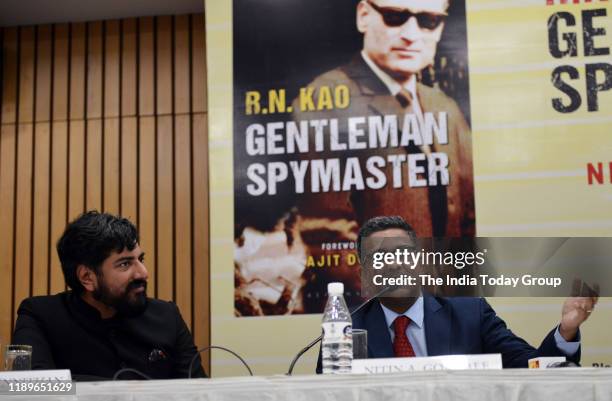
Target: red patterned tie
x=401 y=345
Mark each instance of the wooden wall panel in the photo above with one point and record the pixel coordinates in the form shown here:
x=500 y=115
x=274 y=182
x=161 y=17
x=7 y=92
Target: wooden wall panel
x=182 y=167
x=8 y=150
x=25 y=146
x=164 y=71
x=182 y=64
x=59 y=150
x=107 y=115
x=147 y=143
x=182 y=215
x=201 y=244
x=112 y=68
x=23 y=213
x=76 y=128
x=129 y=121
x=112 y=185
x=129 y=168
x=93 y=164
x=61 y=71
x=200 y=203
x=94 y=130
x=76 y=168
x=146 y=66
x=164 y=157
x=77 y=69
x=7 y=222
x=10 y=66
x=95 y=70
x=59 y=200
x=27 y=70
x=41 y=211
x=42 y=154
x=44 y=37
x=198 y=62
x=129 y=67
x=147 y=198
x=165 y=198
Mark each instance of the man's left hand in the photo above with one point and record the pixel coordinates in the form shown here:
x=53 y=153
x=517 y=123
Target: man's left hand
x=575 y=311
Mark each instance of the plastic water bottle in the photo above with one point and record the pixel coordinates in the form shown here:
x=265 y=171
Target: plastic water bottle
x=337 y=343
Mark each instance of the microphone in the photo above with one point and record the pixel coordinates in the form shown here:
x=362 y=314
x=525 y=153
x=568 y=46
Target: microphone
x=566 y=364
x=316 y=340
x=216 y=347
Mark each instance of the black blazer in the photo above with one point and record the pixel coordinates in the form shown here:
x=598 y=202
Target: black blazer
x=67 y=333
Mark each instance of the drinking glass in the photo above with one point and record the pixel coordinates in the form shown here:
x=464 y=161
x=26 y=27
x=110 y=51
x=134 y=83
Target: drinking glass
x=17 y=357
x=360 y=344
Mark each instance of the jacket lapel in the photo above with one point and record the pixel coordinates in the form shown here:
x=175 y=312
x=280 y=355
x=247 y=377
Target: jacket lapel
x=385 y=105
x=427 y=102
x=372 y=88
x=379 y=339
x=438 y=321
x=359 y=72
x=438 y=324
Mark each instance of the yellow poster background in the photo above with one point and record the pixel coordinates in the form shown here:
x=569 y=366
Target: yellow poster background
x=529 y=168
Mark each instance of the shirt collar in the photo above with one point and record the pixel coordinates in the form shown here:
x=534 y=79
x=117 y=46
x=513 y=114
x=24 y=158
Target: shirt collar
x=415 y=313
x=391 y=84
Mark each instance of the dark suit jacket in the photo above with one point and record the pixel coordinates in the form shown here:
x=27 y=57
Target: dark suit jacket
x=457 y=326
x=431 y=211
x=67 y=333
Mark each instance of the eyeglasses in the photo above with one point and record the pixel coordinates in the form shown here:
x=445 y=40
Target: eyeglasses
x=394 y=17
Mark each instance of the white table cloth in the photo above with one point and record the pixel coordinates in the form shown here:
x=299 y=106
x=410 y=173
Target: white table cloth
x=564 y=384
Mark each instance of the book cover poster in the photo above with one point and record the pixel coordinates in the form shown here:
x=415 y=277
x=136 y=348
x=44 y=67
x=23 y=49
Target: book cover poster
x=343 y=110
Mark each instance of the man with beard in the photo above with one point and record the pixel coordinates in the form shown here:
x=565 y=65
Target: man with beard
x=106 y=322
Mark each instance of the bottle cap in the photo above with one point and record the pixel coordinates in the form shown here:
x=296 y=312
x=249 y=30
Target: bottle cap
x=335 y=288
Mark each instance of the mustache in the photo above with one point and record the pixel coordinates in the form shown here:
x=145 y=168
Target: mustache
x=136 y=284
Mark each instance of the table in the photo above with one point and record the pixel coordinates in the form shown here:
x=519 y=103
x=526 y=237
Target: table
x=571 y=384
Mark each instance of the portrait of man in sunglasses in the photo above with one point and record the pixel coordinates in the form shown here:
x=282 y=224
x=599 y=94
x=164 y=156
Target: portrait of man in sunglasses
x=400 y=39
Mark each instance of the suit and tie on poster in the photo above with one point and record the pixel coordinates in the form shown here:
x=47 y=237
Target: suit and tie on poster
x=343 y=110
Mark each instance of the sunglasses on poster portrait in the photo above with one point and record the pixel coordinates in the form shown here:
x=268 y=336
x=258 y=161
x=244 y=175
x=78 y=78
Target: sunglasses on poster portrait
x=394 y=17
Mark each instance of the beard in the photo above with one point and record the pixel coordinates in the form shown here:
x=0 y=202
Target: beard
x=126 y=304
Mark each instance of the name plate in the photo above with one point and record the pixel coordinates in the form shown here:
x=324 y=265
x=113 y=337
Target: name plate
x=445 y=362
x=36 y=375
